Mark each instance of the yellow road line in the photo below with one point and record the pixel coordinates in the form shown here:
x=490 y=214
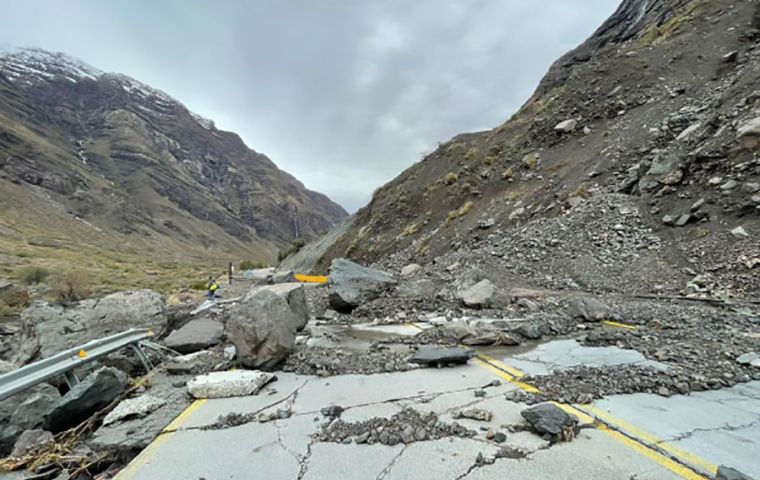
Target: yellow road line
x=651 y=439
x=498 y=363
x=610 y=323
x=593 y=415
x=132 y=470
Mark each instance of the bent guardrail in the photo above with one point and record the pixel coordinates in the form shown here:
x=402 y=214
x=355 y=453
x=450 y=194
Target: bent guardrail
x=63 y=363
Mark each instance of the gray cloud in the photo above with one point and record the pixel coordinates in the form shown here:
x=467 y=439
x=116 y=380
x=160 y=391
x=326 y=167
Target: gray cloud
x=342 y=94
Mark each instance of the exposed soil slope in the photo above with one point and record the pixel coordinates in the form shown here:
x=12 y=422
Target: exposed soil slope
x=626 y=171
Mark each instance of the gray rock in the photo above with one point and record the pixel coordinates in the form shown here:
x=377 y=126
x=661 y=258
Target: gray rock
x=423 y=288
x=19 y=341
x=683 y=220
x=29 y=440
x=263 y=329
x=589 y=309
x=483 y=294
x=566 y=126
x=729 y=185
x=663 y=169
x=530 y=331
x=235 y=383
x=487 y=223
x=748 y=133
x=491 y=338
x=548 y=418
x=130 y=435
x=25 y=411
x=294 y=294
x=751 y=358
x=96 y=391
x=739 y=232
x=352 y=285
x=259 y=276
x=441 y=356
x=478 y=414
x=285 y=276
x=728 y=473
x=134 y=407
x=201 y=362
x=410 y=270
x=60 y=328
x=669 y=220
x=197 y=334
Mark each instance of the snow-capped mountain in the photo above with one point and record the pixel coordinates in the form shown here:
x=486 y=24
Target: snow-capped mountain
x=122 y=156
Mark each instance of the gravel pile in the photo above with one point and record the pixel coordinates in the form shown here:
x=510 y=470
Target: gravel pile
x=327 y=362
x=406 y=427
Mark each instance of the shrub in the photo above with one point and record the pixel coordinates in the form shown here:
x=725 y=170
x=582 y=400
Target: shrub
x=251 y=265
x=460 y=212
x=472 y=154
x=582 y=191
x=507 y=174
x=451 y=178
x=489 y=160
x=33 y=275
x=72 y=287
x=410 y=230
x=294 y=247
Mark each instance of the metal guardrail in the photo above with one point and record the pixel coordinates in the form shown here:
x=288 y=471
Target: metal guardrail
x=63 y=363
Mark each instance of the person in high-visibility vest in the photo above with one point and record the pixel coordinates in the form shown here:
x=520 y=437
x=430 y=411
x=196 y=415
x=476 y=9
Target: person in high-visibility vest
x=213 y=286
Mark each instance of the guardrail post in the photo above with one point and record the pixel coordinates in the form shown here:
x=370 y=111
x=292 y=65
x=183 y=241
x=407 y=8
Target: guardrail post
x=143 y=358
x=71 y=378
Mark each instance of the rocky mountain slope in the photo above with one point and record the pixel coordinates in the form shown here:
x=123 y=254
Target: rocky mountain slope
x=633 y=168
x=93 y=162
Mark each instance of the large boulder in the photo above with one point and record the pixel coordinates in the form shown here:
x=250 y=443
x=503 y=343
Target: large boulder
x=263 y=329
x=25 y=411
x=134 y=408
x=352 y=285
x=483 y=294
x=748 y=133
x=259 y=276
x=96 y=391
x=441 y=356
x=236 y=383
x=547 y=418
x=19 y=341
x=295 y=295
x=589 y=309
x=195 y=335
x=29 y=440
x=62 y=327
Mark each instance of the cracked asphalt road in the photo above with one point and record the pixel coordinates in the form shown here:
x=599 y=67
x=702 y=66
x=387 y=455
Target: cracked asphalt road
x=702 y=430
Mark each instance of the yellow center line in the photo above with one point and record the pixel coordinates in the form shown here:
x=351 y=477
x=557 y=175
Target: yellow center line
x=143 y=458
x=610 y=323
x=637 y=439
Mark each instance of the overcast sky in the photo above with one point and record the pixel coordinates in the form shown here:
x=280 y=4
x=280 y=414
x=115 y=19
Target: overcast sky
x=343 y=94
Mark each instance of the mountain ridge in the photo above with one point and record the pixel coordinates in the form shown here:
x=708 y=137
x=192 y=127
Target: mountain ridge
x=109 y=153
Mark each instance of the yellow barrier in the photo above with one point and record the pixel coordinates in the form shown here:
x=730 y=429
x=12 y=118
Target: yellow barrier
x=310 y=278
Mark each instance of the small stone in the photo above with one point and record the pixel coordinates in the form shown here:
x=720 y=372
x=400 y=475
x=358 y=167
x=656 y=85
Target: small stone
x=480 y=393
x=729 y=185
x=500 y=437
x=347 y=441
x=683 y=220
x=739 y=232
x=697 y=205
x=362 y=438
x=332 y=411
x=567 y=126
x=478 y=414
x=663 y=392
x=728 y=473
x=384 y=438
x=490 y=434
x=751 y=358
